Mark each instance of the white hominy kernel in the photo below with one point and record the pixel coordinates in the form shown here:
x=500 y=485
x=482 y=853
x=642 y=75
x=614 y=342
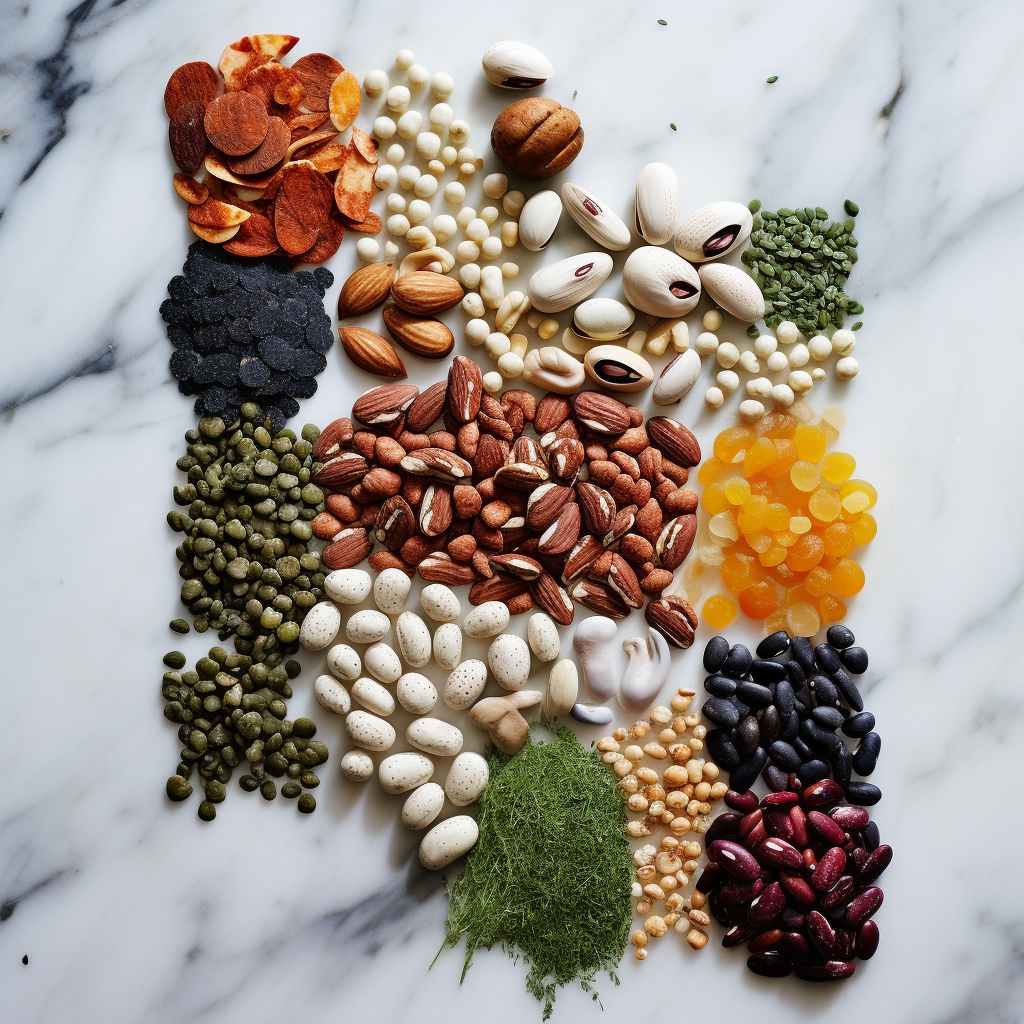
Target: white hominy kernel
x=385 y=176
x=800 y=381
x=396 y=153
x=405 y=60
x=495 y=185
x=442 y=85
x=418 y=211
x=444 y=227
x=712 y=320
x=707 y=343
x=440 y=117
x=448 y=155
x=436 y=168
x=465 y=216
x=398 y=225
x=396 y=203
x=489 y=214
x=467 y=252
x=798 y=355
x=509 y=270
x=847 y=368
x=728 y=380
x=819 y=347
x=476 y=330
x=417 y=76
x=426 y=186
x=390 y=250
x=470 y=275
x=751 y=410
x=458 y=132
x=375 y=83
x=454 y=192
x=728 y=354
x=493 y=382
x=765 y=345
x=714 y=397
x=759 y=387
x=476 y=230
x=513 y=202
x=384 y=127
x=787 y=332
x=782 y=394
x=398 y=99
x=777 y=362
x=843 y=342
x=428 y=145
x=408 y=175
x=409 y=124
x=818 y=374
x=367 y=249
x=748 y=361
x=491 y=248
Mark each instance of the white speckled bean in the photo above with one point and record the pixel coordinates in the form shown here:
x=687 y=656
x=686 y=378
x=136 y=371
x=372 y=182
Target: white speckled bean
x=368 y=731
x=467 y=778
x=448 y=645
x=401 y=772
x=435 y=737
x=356 y=765
x=390 y=590
x=447 y=841
x=344 y=662
x=508 y=658
x=487 y=619
x=320 y=626
x=331 y=695
x=382 y=662
x=465 y=684
x=542 y=633
x=367 y=626
x=422 y=806
x=413 y=639
x=416 y=693
x=440 y=603
x=348 y=586
x=373 y=696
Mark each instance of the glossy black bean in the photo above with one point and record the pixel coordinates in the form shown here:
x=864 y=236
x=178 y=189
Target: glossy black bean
x=785 y=756
x=767 y=671
x=768 y=719
x=773 y=645
x=859 y=725
x=800 y=648
x=754 y=694
x=747 y=735
x=824 y=690
x=813 y=771
x=742 y=778
x=715 y=653
x=856 y=660
x=866 y=758
x=871 y=836
x=842 y=764
x=738 y=662
x=797 y=676
x=830 y=718
x=775 y=778
x=722 y=750
x=790 y=727
x=721 y=712
x=817 y=736
x=785 y=700
x=863 y=794
x=720 y=686
x=839 y=636
x=804 y=701
x=803 y=749
x=848 y=690
x=828 y=658
x=724 y=826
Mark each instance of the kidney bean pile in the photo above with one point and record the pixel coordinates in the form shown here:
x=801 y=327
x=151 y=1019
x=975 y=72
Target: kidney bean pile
x=777 y=716
x=793 y=877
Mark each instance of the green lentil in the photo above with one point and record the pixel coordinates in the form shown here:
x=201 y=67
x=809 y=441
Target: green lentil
x=179 y=625
x=773 y=79
x=307 y=803
x=174 y=659
x=178 y=788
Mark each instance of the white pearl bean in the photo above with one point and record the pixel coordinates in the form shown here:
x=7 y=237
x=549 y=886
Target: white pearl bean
x=384 y=127
x=800 y=381
x=798 y=355
x=420 y=237
x=777 y=362
x=436 y=168
x=843 y=342
x=385 y=176
x=493 y=382
x=748 y=361
x=509 y=270
x=467 y=155
x=712 y=320
x=728 y=380
x=467 y=169
x=495 y=185
x=417 y=76
x=396 y=153
x=426 y=186
x=491 y=248
x=847 y=368
x=765 y=345
x=511 y=365
x=477 y=331
x=473 y=305
x=759 y=387
x=375 y=83
x=497 y=344
x=398 y=99
x=787 y=332
x=470 y=275
x=714 y=397
x=398 y=225
x=782 y=394
x=405 y=60
x=390 y=250
x=454 y=192
x=513 y=202
x=819 y=347
x=444 y=227
x=442 y=85
x=408 y=175
x=440 y=117
x=428 y=145
x=728 y=354
x=707 y=343
x=367 y=249
x=465 y=216
x=509 y=233
x=751 y=410
x=458 y=132
x=448 y=155
x=489 y=214
x=418 y=211
x=396 y=203
x=467 y=252
x=477 y=230
x=818 y=374
x=410 y=123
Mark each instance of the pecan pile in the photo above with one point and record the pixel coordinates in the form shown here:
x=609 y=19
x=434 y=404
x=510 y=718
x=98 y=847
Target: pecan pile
x=591 y=509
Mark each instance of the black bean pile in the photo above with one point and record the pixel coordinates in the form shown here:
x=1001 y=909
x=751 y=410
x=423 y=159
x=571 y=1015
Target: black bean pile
x=246 y=329
x=777 y=714
x=231 y=712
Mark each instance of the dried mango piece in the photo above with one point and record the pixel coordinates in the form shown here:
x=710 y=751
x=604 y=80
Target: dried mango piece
x=346 y=96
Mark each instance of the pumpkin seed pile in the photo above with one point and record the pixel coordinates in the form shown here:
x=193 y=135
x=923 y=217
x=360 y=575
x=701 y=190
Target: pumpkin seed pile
x=801 y=263
x=230 y=709
x=245 y=563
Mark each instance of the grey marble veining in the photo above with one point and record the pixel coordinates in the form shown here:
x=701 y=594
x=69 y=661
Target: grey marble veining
x=131 y=910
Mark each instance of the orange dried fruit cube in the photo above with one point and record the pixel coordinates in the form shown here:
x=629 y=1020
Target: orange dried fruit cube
x=838 y=467
x=760 y=454
x=707 y=472
x=858 y=486
x=777 y=517
x=831 y=608
x=810 y=442
x=752 y=514
x=758 y=600
x=786 y=457
x=777 y=424
x=805 y=475
x=792 y=497
x=864 y=530
x=802 y=619
x=806 y=553
x=730 y=442
x=737 y=490
x=817 y=581
x=714 y=499
x=786 y=538
x=824 y=505
x=773 y=556
x=847 y=578
x=840 y=540
x=719 y=610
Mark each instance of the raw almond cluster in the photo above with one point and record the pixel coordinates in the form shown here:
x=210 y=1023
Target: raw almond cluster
x=591 y=509
x=273 y=182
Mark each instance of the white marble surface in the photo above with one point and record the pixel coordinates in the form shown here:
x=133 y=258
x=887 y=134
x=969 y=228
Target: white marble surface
x=131 y=910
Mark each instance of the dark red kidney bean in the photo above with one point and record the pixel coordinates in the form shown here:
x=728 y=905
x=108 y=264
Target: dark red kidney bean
x=840 y=636
x=846 y=944
x=767 y=671
x=773 y=645
x=737 y=935
x=740 y=893
x=829 y=718
x=778 y=825
x=767 y=906
x=849 y=818
x=754 y=694
x=840 y=894
x=810 y=859
x=708 y=878
x=722 y=750
x=791 y=920
x=744 y=802
x=747 y=736
x=796 y=946
x=856 y=660
x=715 y=653
x=776 y=778
x=746 y=775
x=822 y=794
x=800 y=648
x=783 y=754
x=798 y=824
x=828 y=658
x=770 y=723
x=785 y=701
x=848 y=690
x=723 y=826
x=859 y=725
x=721 y=712
x=824 y=690
x=842 y=764
x=750 y=821
x=757 y=835
x=859 y=856
x=720 y=686
x=769 y=965
x=737 y=662
x=863 y=906
x=766 y=940
x=782 y=798
x=827 y=827
x=813 y=771
x=871 y=837
x=780 y=854
x=867 y=940
x=830 y=867
x=834 y=970
x=863 y=794
x=728 y=914
x=735 y=859
x=822 y=934
x=866 y=758
x=797 y=887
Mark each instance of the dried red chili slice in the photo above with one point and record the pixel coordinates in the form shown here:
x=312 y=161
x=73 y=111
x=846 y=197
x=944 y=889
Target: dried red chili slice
x=236 y=123
x=301 y=207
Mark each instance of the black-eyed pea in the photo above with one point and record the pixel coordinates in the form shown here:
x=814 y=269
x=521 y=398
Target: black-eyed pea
x=719 y=789
x=667 y=737
x=680 y=825
x=611 y=757
x=638 y=730
x=656 y=926
x=619 y=734
x=671 y=919
x=690 y=866
x=692 y=850
x=622 y=767
x=630 y=783
x=694 y=770
x=674 y=903
x=608 y=743
x=696 y=938
x=643 y=907
x=647 y=775
x=646 y=873
x=667 y=863
x=711 y=771
x=654 y=792
x=634 y=753
x=698 y=900
x=702 y=790
x=655 y=750
x=639 y=938
x=660 y=716
x=656 y=808
x=668 y=882
x=637 y=803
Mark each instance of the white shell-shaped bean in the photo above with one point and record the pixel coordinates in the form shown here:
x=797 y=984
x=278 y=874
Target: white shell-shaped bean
x=464 y=684
x=659 y=282
x=373 y=696
x=348 y=586
x=563 y=284
x=413 y=639
x=448 y=645
x=713 y=231
x=368 y=731
x=390 y=590
x=367 y=626
x=447 y=841
x=602 y=319
x=320 y=626
x=539 y=218
x=382 y=662
x=595 y=217
x=487 y=619
x=416 y=693
x=509 y=660
x=592 y=643
x=734 y=290
x=515 y=65
x=677 y=378
x=331 y=695
x=401 y=772
x=542 y=634
x=434 y=736
x=422 y=806
x=657 y=203
x=591 y=715
x=563 y=688
x=344 y=662
x=357 y=766
x=467 y=778
x=440 y=602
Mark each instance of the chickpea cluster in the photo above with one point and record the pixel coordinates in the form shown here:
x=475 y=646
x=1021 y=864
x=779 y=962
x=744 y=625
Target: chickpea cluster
x=676 y=797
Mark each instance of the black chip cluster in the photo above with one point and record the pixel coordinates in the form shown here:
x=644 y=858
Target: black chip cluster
x=246 y=330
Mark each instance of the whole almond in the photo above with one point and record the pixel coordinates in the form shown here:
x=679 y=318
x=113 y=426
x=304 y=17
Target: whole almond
x=563 y=533
x=600 y=413
x=553 y=598
x=462 y=548
x=420 y=335
x=349 y=548
x=552 y=411
x=497 y=588
x=599 y=598
x=365 y=442
x=332 y=439
x=582 y=557
x=674 y=541
x=381 y=560
x=597 y=505
x=636 y=549
x=426 y=410
x=674 y=618
x=342 y=506
x=465 y=387
x=370 y=352
x=675 y=440
x=634 y=441
x=655 y=581
x=520 y=603
x=436 y=510
x=439 y=464
x=394 y=523
x=325 y=526
x=365 y=289
x=565 y=457
x=467 y=501
x=545 y=503
x=681 y=501
x=384 y=405
x=424 y=293
x=346 y=468
x=526 y=402
x=522 y=567
x=388 y=452
x=381 y=482
x=603 y=473
x=491 y=453
x=440 y=567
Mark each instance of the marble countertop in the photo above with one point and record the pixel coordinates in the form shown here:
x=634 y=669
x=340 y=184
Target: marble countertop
x=132 y=910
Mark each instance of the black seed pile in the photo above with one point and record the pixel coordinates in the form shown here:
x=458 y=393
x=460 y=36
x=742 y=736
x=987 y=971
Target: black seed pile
x=777 y=714
x=246 y=330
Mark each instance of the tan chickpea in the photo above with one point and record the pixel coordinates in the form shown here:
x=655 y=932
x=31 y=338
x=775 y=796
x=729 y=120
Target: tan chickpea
x=629 y=783
x=676 y=775
x=671 y=919
x=711 y=771
x=719 y=789
x=679 y=726
x=654 y=792
x=690 y=867
x=668 y=883
x=698 y=917
x=646 y=873
x=696 y=938
x=655 y=750
x=698 y=899
x=660 y=716
x=667 y=863
x=638 y=829
x=611 y=757
x=608 y=743
x=622 y=767
x=638 y=730
x=643 y=907
x=692 y=850
x=705 y=807
x=693 y=808
x=654 y=892
x=667 y=737
x=656 y=926
x=694 y=770
x=633 y=753
x=680 y=753
x=669 y=843
x=639 y=938
x=702 y=790
x=641 y=954
x=657 y=806
x=683 y=879
x=676 y=801
x=681 y=702
x=667 y=817
x=699 y=732
x=696 y=745
x=688 y=790
x=680 y=825
x=619 y=734
x=701 y=825
x=647 y=775
x=691 y=720
x=637 y=803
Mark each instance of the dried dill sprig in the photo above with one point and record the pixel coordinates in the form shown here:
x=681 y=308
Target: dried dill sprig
x=549 y=878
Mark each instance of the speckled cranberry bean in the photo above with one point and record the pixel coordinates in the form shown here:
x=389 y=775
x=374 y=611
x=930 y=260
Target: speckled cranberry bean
x=863 y=906
x=830 y=867
x=875 y=864
x=822 y=934
x=849 y=818
x=826 y=827
x=840 y=894
x=797 y=887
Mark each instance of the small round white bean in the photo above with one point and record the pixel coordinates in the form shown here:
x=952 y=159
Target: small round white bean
x=409 y=124
x=798 y=355
x=819 y=347
x=398 y=99
x=509 y=233
x=465 y=216
x=782 y=394
x=493 y=382
x=428 y=145
x=396 y=153
x=800 y=381
x=491 y=248
x=396 y=203
x=728 y=354
x=728 y=380
x=847 y=368
x=765 y=345
x=495 y=185
x=418 y=212
x=509 y=270
x=385 y=176
x=467 y=169
x=426 y=186
x=476 y=230
x=384 y=127
x=398 y=224
x=448 y=155
x=467 y=252
x=375 y=83
x=818 y=374
x=444 y=227
x=751 y=410
x=390 y=250
x=714 y=397
x=748 y=361
x=405 y=60
x=436 y=168
x=417 y=76
x=489 y=214
x=408 y=175
x=843 y=342
x=706 y=344
x=458 y=132
x=513 y=202
x=777 y=362
x=442 y=85
x=497 y=344
x=470 y=275
x=454 y=192
x=787 y=332
x=440 y=117
x=477 y=331
x=759 y=387
x=467 y=155
x=367 y=249
x=421 y=237
x=712 y=320
x=473 y=305
x=510 y=365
